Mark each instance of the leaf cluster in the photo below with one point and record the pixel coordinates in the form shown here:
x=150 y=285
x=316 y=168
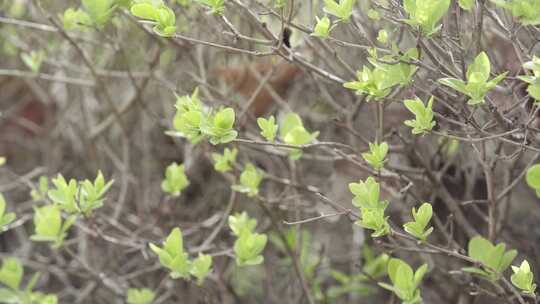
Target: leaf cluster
x=173 y=257
x=376 y=157
x=11 y=276
x=366 y=197
x=523 y=278
x=195 y=122
x=175 y=180
x=405 y=281
x=249 y=245
x=268 y=127
x=526 y=11
x=158 y=12
x=423 y=115
x=49 y=225
x=342 y=9
x=422 y=216
x=426 y=14
x=250 y=179
x=293 y=132
x=533 y=80
x=533 y=178
x=387 y=72
x=79 y=197
x=322 y=27
x=478 y=83
x=224 y=162
x=494 y=258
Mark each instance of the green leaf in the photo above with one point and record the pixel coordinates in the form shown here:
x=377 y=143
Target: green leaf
x=405 y=282
x=180 y=266
x=140 y=296
x=322 y=28
x=423 y=122
x=201 y=267
x=426 y=14
x=157 y=11
x=11 y=273
x=377 y=82
x=144 y=11
x=343 y=10
x=241 y=223
x=41 y=192
x=477 y=80
x=366 y=197
x=268 y=127
x=175 y=180
x=534 y=91
x=248 y=245
x=64 y=194
x=290 y=122
x=248 y=248
x=534 y=81
x=250 y=179
x=91 y=194
x=174 y=242
x=393 y=265
x=366 y=194
x=375 y=220
x=417 y=228
x=455 y=84
x=533 y=176
x=523 y=278
x=224 y=119
x=293 y=132
x=506 y=260
x=376 y=157
x=224 y=162
x=419 y=275
x=220 y=130
x=172 y=255
x=480 y=68
x=373 y=266
x=494 y=258
x=48 y=224
x=479 y=248
x=5 y=218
